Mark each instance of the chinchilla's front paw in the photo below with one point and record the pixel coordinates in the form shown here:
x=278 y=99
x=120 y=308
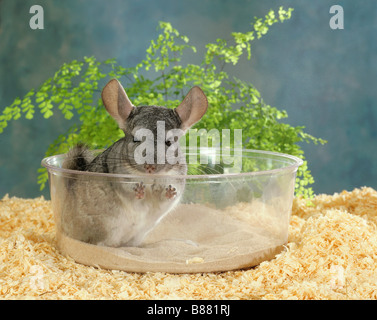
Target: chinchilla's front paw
x=139 y=190
x=170 y=192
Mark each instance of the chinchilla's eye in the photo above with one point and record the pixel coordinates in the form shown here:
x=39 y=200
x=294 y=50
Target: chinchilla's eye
x=168 y=143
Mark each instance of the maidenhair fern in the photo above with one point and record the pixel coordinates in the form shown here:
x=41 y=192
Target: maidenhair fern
x=161 y=79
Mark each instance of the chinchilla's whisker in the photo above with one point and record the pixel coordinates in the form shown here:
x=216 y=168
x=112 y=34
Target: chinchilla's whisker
x=205 y=171
x=208 y=170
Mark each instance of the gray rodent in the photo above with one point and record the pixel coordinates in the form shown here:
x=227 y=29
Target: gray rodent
x=114 y=214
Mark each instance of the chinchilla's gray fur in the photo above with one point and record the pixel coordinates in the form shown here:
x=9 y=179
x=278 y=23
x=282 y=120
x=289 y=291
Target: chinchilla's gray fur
x=120 y=211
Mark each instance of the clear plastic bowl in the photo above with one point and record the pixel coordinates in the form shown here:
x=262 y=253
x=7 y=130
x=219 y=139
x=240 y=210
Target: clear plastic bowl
x=222 y=217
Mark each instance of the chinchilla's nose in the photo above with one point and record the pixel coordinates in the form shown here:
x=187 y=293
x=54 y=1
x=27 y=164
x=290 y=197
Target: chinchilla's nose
x=150 y=168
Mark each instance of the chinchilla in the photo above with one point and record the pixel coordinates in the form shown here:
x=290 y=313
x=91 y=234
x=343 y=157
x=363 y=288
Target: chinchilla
x=121 y=210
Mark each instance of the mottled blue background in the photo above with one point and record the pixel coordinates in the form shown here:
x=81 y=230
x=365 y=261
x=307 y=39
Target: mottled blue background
x=324 y=78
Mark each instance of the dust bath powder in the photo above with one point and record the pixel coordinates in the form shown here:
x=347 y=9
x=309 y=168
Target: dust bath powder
x=193 y=238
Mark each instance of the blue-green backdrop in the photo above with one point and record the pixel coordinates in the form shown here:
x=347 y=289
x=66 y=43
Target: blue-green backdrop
x=324 y=78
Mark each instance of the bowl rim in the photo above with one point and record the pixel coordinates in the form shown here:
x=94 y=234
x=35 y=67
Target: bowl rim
x=292 y=167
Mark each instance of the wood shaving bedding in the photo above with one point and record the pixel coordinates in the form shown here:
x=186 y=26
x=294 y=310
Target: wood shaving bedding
x=331 y=254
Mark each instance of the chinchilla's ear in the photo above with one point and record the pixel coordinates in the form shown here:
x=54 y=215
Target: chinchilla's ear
x=116 y=102
x=192 y=108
